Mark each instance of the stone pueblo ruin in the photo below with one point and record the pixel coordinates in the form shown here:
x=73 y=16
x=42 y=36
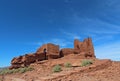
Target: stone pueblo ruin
x=83 y=49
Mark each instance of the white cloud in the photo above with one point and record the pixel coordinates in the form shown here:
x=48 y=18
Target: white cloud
x=75 y=36
x=108 y=51
x=61 y=42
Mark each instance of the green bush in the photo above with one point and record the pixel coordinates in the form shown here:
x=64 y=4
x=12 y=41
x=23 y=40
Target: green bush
x=15 y=70
x=25 y=69
x=57 y=68
x=86 y=62
x=68 y=65
x=5 y=71
x=30 y=69
x=19 y=70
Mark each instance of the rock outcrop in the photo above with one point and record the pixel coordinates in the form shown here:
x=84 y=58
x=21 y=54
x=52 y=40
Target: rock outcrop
x=52 y=50
x=66 y=51
x=83 y=49
x=27 y=59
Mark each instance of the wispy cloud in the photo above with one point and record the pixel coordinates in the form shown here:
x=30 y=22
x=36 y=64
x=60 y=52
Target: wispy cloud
x=73 y=35
x=110 y=51
x=105 y=27
x=101 y=31
x=70 y=35
x=96 y=39
x=102 y=27
x=95 y=27
x=61 y=42
x=113 y=4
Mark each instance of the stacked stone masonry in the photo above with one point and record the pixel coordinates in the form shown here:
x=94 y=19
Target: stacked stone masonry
x=83 y=49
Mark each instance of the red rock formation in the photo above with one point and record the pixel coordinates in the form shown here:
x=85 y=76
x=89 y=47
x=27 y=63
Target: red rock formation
x=41 y=49
x=84 y=48
x=66 y=51
x=27 y=59
x=52 y=50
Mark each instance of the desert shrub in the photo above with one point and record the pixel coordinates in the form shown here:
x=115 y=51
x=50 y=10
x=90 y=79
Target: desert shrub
x=5 y=71
x=68 y=65
x=30 y=69
x=19 y=70
x=25 y=69
x=86 y=62
x=15 y=70
x=57 y=68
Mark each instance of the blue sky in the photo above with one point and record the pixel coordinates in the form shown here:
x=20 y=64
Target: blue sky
x=27 y=24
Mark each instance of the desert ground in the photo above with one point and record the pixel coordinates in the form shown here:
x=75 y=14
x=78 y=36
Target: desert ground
x=100 y=70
